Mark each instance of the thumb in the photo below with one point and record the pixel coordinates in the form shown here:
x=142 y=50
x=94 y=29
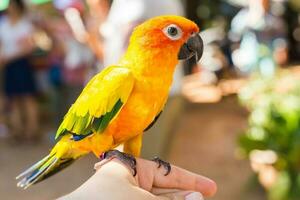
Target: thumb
x=174 y=194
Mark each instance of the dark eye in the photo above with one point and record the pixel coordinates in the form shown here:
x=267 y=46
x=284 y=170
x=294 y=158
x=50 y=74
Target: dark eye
x=173 y=32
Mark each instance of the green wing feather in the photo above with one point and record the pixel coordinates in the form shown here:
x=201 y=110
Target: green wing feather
x=99 y=102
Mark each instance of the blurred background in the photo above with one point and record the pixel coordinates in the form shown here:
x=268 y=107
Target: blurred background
x=234 y=116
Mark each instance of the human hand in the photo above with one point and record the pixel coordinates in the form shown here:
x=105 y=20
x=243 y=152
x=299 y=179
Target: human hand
x=114 y=181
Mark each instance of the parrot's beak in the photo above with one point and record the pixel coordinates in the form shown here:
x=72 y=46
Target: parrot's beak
x=192 y=48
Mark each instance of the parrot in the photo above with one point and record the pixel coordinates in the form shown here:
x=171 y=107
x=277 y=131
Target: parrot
x=124 y=100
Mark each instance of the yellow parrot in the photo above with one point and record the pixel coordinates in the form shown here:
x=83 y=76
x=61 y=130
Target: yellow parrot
x=122 y=101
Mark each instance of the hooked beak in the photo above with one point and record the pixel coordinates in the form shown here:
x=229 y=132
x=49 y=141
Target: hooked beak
x=192 y=48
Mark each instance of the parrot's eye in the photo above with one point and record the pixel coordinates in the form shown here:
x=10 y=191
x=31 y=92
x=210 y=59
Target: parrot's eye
x=173 y=32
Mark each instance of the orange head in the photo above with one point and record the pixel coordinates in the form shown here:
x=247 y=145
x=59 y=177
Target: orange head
x=168 y=34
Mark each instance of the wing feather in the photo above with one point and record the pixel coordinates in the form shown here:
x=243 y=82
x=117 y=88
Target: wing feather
x=99 y=102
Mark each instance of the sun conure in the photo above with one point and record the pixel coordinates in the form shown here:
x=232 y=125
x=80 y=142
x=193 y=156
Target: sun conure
x=123 y=100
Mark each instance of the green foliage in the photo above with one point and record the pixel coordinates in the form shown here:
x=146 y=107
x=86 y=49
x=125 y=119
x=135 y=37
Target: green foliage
x=274 y=124
x=281 y=187
x=39 y=1
x=3 y=4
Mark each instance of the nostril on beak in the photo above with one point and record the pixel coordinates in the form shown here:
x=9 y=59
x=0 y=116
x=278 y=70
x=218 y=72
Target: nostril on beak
x=193 y=48
x=195 y=44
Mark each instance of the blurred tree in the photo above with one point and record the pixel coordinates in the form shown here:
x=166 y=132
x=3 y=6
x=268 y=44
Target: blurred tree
x=40 y=1
x=272 y=140
x=3 y=4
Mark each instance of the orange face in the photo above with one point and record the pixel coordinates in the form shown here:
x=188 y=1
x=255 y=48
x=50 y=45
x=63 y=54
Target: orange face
x=164 y=30
x=168 y=33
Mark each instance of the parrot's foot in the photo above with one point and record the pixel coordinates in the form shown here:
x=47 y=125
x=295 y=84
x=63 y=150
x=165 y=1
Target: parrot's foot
x=165 y=164
x=125 y=158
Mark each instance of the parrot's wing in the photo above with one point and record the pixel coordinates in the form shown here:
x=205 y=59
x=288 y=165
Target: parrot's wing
x=99 y=103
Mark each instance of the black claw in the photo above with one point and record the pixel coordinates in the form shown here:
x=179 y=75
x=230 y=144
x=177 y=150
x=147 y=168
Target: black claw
x=125 y=158
x=165 y=164
x=103 y=156
x=168 y=168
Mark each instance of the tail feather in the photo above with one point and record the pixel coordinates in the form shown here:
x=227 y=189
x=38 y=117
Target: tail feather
x=32 y=168
x=61 y=164
x=37 y=174
x=61 y=156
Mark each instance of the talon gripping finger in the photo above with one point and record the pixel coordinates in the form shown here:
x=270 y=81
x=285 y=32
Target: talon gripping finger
x=165 y=164
x=126 y=159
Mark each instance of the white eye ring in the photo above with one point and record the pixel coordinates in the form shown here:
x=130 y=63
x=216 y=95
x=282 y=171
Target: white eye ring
x=173 y=32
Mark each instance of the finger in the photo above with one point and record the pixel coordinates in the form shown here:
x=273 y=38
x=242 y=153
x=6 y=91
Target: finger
x=179 y=179
x=194 y=196
x=115 y=181
x=185 y=180
x=174 y=194
x=162 y=191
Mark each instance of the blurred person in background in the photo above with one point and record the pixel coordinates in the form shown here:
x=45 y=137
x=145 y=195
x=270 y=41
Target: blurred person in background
x=214 y=63
x=56 y=28
x=70 y=62
x=262 y=37
x=78 y=59
x=124 y=15
x=3 y=126
x=16 y=45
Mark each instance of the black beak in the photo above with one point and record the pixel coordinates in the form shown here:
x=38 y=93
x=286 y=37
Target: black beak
x=193 y=48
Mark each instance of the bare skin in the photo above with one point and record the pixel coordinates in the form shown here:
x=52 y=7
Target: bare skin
x=113 y=180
